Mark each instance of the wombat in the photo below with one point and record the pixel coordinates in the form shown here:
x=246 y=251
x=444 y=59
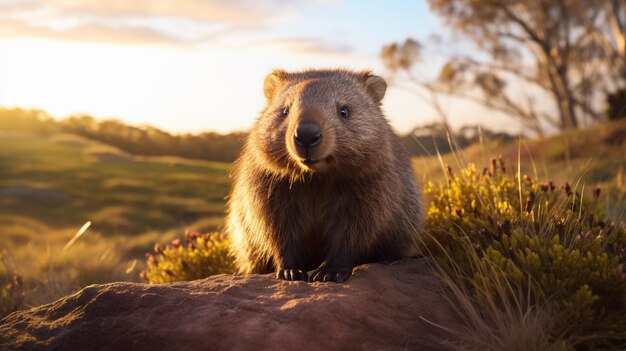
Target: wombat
x=323 y=183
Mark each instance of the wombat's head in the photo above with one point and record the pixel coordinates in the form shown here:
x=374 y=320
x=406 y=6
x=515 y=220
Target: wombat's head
x=322 y=121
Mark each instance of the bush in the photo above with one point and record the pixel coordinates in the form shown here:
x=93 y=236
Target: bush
x=529 y=265
x=202 y=256
x=515 y=247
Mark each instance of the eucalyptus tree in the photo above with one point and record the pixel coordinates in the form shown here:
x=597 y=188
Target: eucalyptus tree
x=543 y=62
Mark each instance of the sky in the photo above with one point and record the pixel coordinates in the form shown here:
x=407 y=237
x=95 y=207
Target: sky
x=198 y=65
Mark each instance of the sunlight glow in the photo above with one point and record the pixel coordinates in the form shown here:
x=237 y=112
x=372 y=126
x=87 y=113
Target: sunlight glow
x=189 y=74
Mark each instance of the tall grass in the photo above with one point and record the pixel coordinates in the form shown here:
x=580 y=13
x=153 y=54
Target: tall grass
x=51 y=185
x=529 y=265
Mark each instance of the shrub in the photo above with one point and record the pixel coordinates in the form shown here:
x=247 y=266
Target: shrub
x=511 y=246
x=202 y=256
x=530 y=265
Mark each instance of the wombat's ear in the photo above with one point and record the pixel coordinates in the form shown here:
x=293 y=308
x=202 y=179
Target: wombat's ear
x=272 y=83
x=375 y=86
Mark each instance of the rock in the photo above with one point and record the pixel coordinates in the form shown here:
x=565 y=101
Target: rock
x=390 y=307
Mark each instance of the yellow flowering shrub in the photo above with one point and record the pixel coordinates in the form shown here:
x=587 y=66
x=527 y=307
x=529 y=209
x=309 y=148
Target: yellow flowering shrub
x=202 y=255
x=506 y=241
x=550 y=244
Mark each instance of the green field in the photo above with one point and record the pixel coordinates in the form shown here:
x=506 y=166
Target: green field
x=50 y=186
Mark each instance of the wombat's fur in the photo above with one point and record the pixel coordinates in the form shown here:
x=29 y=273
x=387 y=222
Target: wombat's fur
x=323 y=182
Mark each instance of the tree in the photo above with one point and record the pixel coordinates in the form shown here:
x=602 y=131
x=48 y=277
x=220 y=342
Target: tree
x=613 y=39
x=400 y=58
x=543 y=62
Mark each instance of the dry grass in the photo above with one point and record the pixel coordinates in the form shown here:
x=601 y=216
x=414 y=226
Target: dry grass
x=51 y=185
x=498 y=314
x=135 y=202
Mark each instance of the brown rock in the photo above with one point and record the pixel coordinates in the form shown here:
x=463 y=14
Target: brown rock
x=381 y=307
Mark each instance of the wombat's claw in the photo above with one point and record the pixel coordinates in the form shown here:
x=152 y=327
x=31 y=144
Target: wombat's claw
x=291 y=274
x=338 y=275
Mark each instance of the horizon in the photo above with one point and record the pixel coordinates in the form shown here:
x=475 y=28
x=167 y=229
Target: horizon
x=198 y=132
x=186 y=68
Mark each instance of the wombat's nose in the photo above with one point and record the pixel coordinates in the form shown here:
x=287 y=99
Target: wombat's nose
x=308 y=134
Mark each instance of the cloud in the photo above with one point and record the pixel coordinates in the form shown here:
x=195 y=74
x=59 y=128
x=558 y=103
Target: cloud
x=308 y=46
x=87 y=32
x=227 y=11
x=182 y=23
x=137 y=21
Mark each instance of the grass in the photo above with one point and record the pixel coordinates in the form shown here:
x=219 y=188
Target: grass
x=593 y=156
x=542 y=273
x=58 y=183
x=51 y=186
x=528 y=266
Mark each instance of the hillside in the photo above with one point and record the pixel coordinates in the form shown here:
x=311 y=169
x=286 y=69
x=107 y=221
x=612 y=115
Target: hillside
x=210 y=146
x=50 y=185
x=595 y=156
x=138 y=140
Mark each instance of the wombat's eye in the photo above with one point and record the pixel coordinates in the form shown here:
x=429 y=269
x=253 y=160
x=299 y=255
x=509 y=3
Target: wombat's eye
x=285 y=111
x=343 y=112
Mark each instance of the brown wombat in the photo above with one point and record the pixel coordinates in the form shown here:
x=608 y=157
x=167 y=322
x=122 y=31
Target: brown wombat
x=323 y=182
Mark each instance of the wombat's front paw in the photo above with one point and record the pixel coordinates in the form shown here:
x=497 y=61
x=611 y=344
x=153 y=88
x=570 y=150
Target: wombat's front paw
x=291 y=274
x=331 y=274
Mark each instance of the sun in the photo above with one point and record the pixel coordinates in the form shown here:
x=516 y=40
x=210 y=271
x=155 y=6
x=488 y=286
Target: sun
x=171 y=88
